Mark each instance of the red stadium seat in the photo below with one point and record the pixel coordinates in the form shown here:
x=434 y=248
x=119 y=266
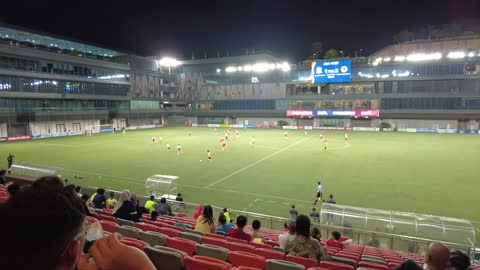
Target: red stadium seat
x=335 y=265
x=91 y=219
x=108 y=226
x=269 y=253
x=356 y=258
x=259 y=245
x=180 y=229
x=303 y=261
x=185 y=245
x=272 y=243
x=167 y=231
x=147 y=227
x=240 y=258
x=372 y=265
x=134 y=242
x=214 y=235
x=240 y=247
x=215 y=241
x=231 y=239
x=107 y=218
x=204 y=263
x=317 y=268
x=246 y=268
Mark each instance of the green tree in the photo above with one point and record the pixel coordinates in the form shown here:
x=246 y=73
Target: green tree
x=331 y=54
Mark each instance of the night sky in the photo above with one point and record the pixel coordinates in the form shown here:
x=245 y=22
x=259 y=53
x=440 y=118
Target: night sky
x=286 y=28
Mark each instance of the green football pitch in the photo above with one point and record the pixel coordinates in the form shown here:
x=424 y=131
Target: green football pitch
x=423 y=173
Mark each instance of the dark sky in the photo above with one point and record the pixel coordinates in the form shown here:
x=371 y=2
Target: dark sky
x=286 y=28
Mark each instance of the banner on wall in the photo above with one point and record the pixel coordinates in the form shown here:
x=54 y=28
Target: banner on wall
x=426 y=130
x=19 y=138
x=334 y=113
x=366 y=129
x=289 y=127
x=57 y=134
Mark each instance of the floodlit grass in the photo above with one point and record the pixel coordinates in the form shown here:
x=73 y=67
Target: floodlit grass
x=424 y=173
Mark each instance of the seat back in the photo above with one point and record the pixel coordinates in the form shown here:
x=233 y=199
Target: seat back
x=240 y=258
x=373 y=259
x=270 y=253
x=146 y=227
x=211 y=251
x=214 y=235
x=124 y=222
x=303 y=261
x=233 y=246
x=165 y=258
x=168 y=231
x=260 y=245
x=134 y=242
x=372 y=265
x=283 y=265
x=348 y=256
x=108 y=226
x=191 y=236
x=215 y=241
x=335 y=265
x=343 y=260
x=194 y=232
x=128 y=231
x=203 y=263
x=153 y=238
x=185 y=245
x=235 y=240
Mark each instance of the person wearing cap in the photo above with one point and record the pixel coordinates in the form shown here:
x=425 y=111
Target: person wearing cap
x=459 y=260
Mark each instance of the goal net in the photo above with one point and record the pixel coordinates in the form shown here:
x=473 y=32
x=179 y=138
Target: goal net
x=100 y=129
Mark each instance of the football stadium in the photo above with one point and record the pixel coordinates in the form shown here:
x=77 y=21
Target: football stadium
x=383 y=149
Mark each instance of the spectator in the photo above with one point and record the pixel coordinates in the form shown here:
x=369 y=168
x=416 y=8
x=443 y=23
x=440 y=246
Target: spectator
x=329 y=215
x=151 y=205
x=223 y=226
x=93 y=195
x=238 y=232
x=315 y=215
x=373 y=242
x=13 y=188
x=66 y=182
x=78 y=190
x=199 y=212
x=285 y=227
x=179 y=198
x=84 y=199
x=256 y=231
x=408 y=265
x=133 y=198
x=153 y=216
x=205 y=222
x=316 y=234
x=459 y=260
x=335 y=240
x=303 y=245
x=111 y=201
x=3 y=179
x=164 y=208
x=437 y=256
x=293 y=213
x=284 y=238
x=50 y=238
x=124 y=208
x=226 y=214
x=100 y=200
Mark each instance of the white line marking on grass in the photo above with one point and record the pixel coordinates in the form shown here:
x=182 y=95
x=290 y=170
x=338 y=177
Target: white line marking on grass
x=256 y=162
x=251 y=204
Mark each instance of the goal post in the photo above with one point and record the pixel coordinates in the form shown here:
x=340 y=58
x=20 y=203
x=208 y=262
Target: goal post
x=107 y=128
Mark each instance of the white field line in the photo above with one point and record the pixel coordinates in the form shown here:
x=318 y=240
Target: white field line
x=251 y=204
x=256 y=162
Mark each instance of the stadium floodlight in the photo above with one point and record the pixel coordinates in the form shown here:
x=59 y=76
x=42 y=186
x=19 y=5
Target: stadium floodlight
x=169 y=62
x=231 y=69
x=285 y=67
x=261 y=67
x=219 y=70
x=387 y=59
x=417 y=57
x=375 y=63
x=247 y=68
x=239 y=68
x=399 y=58
x=456 y=55
x=471 y=54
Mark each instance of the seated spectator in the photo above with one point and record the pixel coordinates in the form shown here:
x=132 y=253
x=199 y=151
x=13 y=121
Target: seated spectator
x=111 y=201
x=13 y=188
x=256 y=234
x=293 y=213
x=153 y=216
x=199 y=212
x=373 y=242
x=238 y=232
x=93 y=195
x=223 y=226
x=227 y=215
x=284 y=238
x=285 y=227
x=335 y=240
x=408 y=265
x=124 y=208
x=99 y=202
x=3 y=179
x=315 y=215
x=78 y=190
x=459 y=260
x=151 y=205
x=205 y=223
x=316 y=234
x=164 y=208
x=133 y=198
x=437 y=257
x=179 y=198
x=84 y=199
x=303 y=245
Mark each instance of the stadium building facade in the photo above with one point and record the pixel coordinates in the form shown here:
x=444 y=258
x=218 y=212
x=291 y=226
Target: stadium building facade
x=52 y=86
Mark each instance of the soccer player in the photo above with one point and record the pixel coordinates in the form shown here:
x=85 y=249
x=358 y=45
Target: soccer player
x=179 y=149
x=326 y=145
x=215 y=130
x=224 y=145
x=124 y=131
x=306 y=133
x=346 y=137
x=209 y=156
x=160 y=139
x=236 y=133
x=319 y=193
x=190 y=134
x=154 y=139
x=226 y=137
x=285 y=135
x=321 y=137
x=229 y=131
x=168 y=146
x=252 y=140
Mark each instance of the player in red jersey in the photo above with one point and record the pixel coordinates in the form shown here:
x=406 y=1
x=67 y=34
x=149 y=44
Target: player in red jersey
x=154 y=139
x=179 y=149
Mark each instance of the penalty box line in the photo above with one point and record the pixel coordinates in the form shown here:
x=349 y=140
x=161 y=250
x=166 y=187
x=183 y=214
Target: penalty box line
x=256 y=162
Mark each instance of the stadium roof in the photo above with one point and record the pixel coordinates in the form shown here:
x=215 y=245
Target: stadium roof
x=250 y=58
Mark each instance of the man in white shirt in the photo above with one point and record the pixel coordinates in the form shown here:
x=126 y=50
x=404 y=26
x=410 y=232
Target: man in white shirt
x=284 y=238
x=319 y=193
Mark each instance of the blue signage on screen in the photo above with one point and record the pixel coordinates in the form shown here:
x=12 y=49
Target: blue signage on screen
x=332 y=71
